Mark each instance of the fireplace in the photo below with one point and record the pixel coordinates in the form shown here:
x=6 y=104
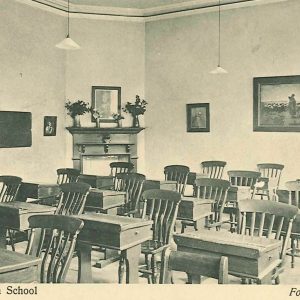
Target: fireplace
x=95 y=148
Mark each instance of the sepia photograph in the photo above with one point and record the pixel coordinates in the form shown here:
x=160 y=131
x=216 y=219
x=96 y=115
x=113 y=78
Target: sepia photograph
x=106 y=100
x=149 y=149
x=50 y=126
x=198 y=117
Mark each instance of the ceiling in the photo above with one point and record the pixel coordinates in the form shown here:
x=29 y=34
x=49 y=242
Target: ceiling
x=144 y=4
x=141 y=8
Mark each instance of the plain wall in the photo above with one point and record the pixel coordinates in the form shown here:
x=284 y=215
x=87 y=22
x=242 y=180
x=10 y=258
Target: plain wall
x=32 y=79
x=112 y=54
x=255 y=41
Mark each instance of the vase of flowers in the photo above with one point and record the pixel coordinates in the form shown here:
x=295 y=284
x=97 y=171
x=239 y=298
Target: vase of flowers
x=118 y=119
x=97 y=116
x=135 y=109
x=76 y=109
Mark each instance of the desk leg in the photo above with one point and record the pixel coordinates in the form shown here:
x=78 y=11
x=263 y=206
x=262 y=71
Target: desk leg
x=84 y=263
x=193 y=279
x=3 y=237
x=266 y=280
x=131 y=257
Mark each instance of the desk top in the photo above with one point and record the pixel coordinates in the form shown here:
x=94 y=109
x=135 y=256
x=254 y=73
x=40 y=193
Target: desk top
x=227 y=243
x=114 y=223
x=25 y=207
x=11 y=261
x=105 y=192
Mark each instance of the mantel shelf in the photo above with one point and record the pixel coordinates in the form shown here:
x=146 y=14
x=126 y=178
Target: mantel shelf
x=107 y=130
x=104 y=144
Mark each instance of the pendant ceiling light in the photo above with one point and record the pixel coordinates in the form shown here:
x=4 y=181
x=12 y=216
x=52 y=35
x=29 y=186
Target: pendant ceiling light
x=219 y=69
x=68 y=43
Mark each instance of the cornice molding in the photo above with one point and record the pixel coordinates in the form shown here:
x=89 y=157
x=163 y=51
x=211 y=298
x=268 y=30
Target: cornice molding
x=141 y=15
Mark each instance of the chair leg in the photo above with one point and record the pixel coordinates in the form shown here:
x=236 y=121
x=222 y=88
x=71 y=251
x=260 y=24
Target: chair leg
x=293 y=246
x=148 y=266
x=182 y=227
x=195 y=225
x=121 y=270
x=10 y=233
x=154 y=269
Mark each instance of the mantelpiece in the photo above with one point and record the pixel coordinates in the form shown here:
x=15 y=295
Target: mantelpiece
x=92 y=143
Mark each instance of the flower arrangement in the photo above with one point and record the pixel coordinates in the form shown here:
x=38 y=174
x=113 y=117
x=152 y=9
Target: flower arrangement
x=136 y=108
x=96 y=114
x=77 y=108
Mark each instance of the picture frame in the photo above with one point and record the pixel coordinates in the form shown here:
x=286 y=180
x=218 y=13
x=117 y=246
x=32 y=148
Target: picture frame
x=275 y=106
x=50 y=123
x=198 y=117
x=107 y=100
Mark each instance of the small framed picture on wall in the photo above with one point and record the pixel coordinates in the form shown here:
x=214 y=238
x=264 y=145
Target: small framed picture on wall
x=50 y=125
x=197 y=116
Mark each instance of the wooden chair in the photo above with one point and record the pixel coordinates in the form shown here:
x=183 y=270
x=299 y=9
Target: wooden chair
x=213 y=168
x=210 y=189
x=273 y=173
x=72 y=198
x=119 y=167
x=245 y=182
x=66 y=175
x=245 y=179
x=194 y=265
x=132 y=184
x=161 y=206
x=271 y=219
x=56 y=256
x=293 y=188
x=179 y=174
x=9 y=187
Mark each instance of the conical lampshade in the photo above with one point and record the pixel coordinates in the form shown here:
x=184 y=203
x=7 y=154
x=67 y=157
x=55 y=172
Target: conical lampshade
x=218 y=70
x=67 y=44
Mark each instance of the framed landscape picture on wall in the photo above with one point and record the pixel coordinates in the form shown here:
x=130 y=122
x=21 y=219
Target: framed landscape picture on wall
x=276 y=103
x=197 y=115
x=107 y=101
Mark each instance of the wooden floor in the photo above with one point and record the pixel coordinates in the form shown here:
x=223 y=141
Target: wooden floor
x=109 y=274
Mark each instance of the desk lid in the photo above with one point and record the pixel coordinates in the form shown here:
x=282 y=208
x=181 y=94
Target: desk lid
x=103 y=222
x=227 y=243
x=195 y=201
x=25 y=207
x=106 y=192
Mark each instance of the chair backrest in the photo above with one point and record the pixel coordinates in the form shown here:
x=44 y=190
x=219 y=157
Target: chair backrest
x=193 y=264
x=72 y=198
x=271 y=219
x=161 y=206
x=243 y=178
x=9 y=187
x=178 y=173
x=119 y=167
x=132 y=184
x=271 y=171
x=213 y=189
x=293 y=188
x=66 y=175
x=213 y=168
x=56 y=250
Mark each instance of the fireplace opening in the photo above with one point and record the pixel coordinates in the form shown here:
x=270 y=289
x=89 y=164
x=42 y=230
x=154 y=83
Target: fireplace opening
x=99 y=164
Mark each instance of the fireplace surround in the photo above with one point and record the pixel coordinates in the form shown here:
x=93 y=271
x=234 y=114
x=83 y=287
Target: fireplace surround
x=95 y=148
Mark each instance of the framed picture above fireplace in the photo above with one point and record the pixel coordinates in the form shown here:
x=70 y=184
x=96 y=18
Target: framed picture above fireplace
x=107 y=101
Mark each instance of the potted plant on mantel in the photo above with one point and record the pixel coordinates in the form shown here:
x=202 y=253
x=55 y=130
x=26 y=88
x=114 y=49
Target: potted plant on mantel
x=77 y=109
x=135 y=109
